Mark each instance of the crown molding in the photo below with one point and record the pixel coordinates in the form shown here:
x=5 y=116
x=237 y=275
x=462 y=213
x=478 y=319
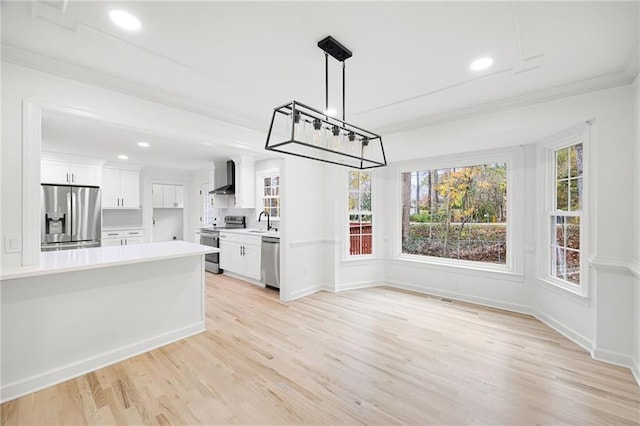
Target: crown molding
x=47 y=64
x=581 y=87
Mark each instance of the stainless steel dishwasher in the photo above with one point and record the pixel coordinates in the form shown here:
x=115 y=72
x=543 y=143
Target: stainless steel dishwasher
x=270 y=264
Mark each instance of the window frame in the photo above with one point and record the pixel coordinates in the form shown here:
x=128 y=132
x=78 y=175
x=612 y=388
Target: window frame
x=260 y=176
x=513 y=157
x=347 y=234
x=548 y=148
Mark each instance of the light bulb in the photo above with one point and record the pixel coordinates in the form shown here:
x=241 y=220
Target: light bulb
x=351 y=145
x=317 y=132
x=335 y=138
x=365 y=147
x=297 y=127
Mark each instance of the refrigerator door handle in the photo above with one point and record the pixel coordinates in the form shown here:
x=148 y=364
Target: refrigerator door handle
x=74 y=215
x=69 y=220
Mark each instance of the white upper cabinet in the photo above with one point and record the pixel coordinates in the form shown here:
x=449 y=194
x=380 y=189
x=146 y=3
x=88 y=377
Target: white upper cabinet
x=167 y=196
x=245 y=191
x=157 y=195
x=70 y=173
x=120 y=189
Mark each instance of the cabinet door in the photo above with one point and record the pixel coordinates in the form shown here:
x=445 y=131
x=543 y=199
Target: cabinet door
x=169 y=196
x=179 y=198
x=106 y=242
x=157 y=194
x=252 y=261
x=245 y=196
x=54 y=172
x=225 y=254
x=82 y=174
x=129 y=189
x=110 y=188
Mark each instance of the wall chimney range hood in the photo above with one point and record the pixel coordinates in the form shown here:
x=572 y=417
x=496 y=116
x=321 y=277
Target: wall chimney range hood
x=230 y=187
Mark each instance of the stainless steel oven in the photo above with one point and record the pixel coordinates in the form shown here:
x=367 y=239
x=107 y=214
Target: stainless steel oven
x=211 y=237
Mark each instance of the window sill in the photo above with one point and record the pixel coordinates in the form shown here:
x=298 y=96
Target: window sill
x=465 y=268
x=364 y=259
x=564 y=291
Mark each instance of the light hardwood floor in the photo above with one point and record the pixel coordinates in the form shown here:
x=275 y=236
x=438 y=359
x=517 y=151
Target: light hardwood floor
x=372 y=356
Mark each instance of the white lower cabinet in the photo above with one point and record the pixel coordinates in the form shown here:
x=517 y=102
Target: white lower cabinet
x=240 y=254
x=125 y=237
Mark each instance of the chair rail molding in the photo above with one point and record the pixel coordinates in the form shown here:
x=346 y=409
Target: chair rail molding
x=613 y=264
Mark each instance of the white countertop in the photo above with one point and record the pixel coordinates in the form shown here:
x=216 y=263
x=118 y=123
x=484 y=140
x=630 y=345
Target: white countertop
x=55 y=262
x=261 y=233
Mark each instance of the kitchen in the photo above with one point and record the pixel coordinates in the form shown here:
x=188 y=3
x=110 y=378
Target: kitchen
x=219 y=110
x=180 y=202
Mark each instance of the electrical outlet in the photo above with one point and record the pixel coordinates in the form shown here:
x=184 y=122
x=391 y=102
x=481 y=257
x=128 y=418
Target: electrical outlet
x=12 y=244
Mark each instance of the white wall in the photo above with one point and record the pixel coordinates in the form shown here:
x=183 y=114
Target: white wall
x=127 y=218
x=305 y=241
x=168 y=225
x=20 y=84
x=636 y=258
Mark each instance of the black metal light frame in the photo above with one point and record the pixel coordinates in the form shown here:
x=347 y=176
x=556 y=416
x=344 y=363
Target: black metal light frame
x=369 y=152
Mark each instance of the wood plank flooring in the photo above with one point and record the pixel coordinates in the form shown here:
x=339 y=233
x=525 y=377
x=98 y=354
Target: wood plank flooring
x=374 y=356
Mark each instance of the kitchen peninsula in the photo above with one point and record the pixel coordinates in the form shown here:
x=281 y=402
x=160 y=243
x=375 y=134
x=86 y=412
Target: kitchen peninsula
x=79 y=310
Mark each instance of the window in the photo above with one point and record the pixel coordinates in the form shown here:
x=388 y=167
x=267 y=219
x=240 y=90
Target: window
x=360 y=214
x=456 y=213
x=565 y=215
x=269 y=198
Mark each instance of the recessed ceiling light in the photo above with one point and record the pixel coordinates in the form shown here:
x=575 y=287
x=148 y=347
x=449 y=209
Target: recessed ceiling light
x=125 y=20
x=123 y=157
x=331 y=112
x=481 y=64
x=143 y=144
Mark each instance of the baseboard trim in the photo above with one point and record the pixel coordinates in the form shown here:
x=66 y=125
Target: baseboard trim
x=635 y=370
x=614 y=358
x=492 y=303
x=357 y=285
x=308 y=291
x=567 y=332
x=570 y=334
x=243 y=278
x=62 y=374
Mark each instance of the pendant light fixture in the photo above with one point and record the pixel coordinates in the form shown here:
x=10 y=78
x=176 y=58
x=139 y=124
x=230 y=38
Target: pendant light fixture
x=303 y=131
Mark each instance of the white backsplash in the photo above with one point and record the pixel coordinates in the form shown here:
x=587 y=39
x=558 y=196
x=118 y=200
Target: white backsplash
x=128 y=218
x=250 y=214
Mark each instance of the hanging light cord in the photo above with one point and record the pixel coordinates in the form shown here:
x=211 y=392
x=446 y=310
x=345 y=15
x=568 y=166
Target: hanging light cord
x=326 y=83
x=343 y=109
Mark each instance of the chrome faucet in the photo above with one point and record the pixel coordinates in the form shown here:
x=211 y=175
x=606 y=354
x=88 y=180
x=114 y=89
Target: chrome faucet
x=268 y=219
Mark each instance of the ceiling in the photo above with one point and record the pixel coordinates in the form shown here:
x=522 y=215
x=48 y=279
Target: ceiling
x=235 y=61
x=72 y=134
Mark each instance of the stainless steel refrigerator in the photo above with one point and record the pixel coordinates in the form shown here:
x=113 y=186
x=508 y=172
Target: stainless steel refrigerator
x=71 y=217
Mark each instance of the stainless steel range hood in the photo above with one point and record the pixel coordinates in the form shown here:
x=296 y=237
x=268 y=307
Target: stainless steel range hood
x=230 y=187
